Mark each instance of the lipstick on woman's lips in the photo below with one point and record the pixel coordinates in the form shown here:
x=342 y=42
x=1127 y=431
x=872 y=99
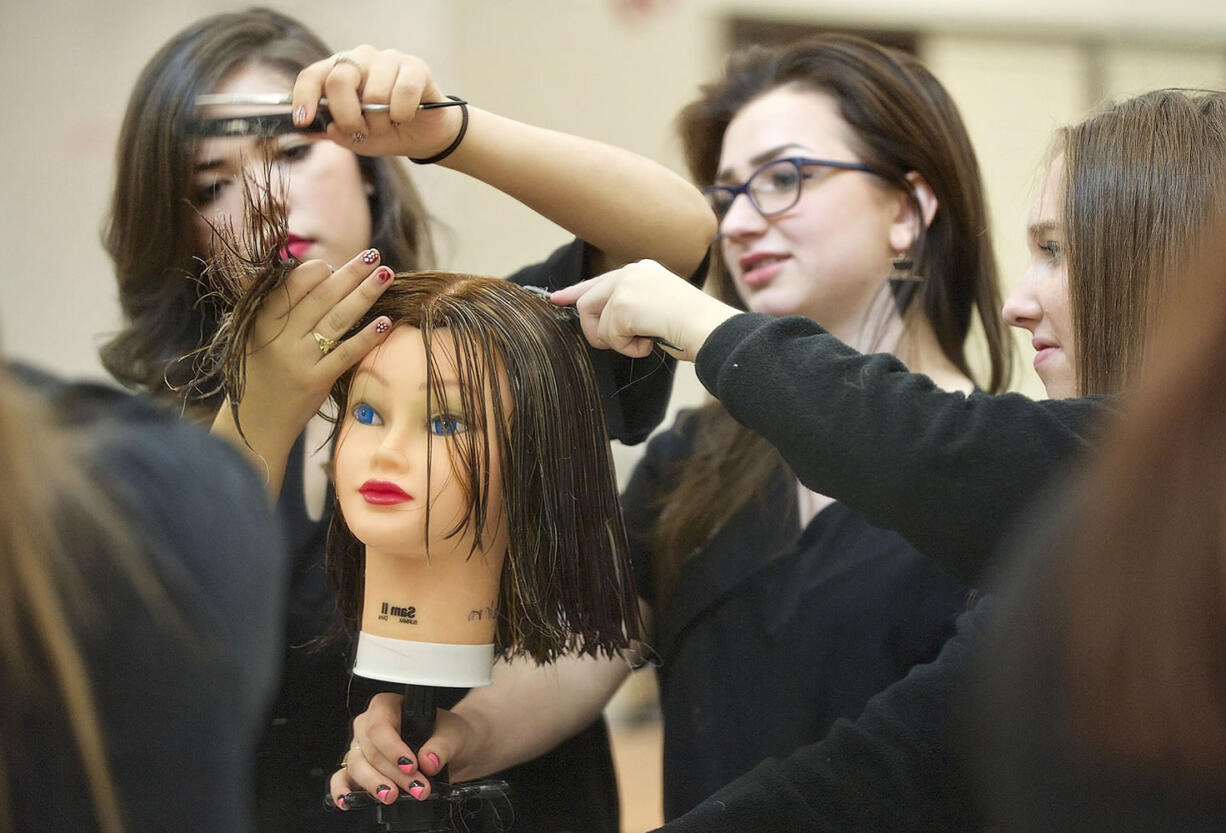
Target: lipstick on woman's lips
x=383 y=493
x=295 y=247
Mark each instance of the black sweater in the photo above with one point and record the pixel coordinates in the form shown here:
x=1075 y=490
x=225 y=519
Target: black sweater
x=948 y=471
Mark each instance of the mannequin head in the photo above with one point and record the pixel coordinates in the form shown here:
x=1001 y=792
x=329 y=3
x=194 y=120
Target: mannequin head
x=510 y=429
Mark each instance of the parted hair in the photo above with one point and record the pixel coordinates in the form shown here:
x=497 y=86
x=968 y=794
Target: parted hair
x=901 y=120
x=148 y=233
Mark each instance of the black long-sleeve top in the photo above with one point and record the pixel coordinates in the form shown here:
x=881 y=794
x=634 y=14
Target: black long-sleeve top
x=948 y=471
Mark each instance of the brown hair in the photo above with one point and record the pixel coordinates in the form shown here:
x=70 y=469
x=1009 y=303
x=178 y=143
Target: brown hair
x=902 y=120
x=149 y=228
x=566 y=584
x=566 y=581
x=1138 y=181
x=1144 y=573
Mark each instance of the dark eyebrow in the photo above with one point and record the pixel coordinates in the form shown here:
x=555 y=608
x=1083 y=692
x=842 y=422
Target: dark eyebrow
x=759 y=159
x=211 y=164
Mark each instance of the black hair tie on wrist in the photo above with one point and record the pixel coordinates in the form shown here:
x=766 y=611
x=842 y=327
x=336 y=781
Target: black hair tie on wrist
x=455 y=101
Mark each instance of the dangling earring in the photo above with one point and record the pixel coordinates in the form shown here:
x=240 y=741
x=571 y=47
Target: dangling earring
x=903 y=283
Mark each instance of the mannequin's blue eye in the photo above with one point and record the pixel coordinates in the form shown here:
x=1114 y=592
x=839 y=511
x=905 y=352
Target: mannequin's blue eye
x=446 y=425
x=366 y=415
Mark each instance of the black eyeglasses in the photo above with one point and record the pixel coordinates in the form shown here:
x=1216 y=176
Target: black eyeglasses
x=776 y=186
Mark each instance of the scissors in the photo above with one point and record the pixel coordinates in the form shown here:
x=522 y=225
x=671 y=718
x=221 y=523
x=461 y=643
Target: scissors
x=276 y=124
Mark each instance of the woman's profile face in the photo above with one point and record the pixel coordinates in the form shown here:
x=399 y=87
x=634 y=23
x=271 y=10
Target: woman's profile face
x=388 y=431
x=1039 y=302
x=326 y=199
x=828 y=255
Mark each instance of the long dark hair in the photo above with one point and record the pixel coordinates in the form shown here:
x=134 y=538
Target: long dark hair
x=901 y=120
x=148 y=232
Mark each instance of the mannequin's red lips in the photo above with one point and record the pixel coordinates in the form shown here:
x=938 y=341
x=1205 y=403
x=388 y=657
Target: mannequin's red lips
x=383 y=493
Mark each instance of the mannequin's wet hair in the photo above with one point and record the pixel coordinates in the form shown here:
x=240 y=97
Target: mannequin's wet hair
x=566 y=584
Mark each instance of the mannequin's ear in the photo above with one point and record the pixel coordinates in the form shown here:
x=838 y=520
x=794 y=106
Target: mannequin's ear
x=908 y=222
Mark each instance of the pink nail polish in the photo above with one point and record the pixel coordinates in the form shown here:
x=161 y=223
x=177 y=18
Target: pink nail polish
x=381 y=328
x=433 y=758
x=382 y=792
x=416 y=788
x=370 y=256
x=405 y=764
x=300 y=114
x=340 y=802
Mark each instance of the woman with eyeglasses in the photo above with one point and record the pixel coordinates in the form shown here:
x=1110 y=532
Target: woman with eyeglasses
x=847 y=192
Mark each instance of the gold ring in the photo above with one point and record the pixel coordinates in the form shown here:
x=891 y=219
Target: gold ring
x=326 y=345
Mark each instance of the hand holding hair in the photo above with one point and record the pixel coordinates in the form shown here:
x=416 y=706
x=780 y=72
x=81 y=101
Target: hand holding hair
x=295 y=353
x=630 y=309
x=364 y=76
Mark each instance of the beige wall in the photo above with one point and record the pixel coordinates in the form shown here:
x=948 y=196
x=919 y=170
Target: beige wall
x=1017 y=68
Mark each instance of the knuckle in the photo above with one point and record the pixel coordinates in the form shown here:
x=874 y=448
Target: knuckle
x=334 y=322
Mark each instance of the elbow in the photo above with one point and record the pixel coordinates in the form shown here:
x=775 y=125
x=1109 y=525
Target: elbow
x=697 y=230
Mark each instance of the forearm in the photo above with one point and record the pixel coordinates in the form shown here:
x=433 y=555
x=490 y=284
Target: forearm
x=947 y=471
x=626 y=206
x=530 y=709
x=266 y=446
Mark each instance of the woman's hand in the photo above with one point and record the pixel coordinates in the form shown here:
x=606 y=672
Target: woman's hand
x=365 y=75
x=379 y=761
x=629 y=308
x=295 y=354
x=528 y=710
